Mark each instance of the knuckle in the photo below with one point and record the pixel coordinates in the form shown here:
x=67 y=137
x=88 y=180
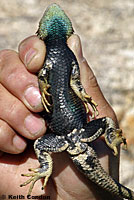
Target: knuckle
x=6 y=138
x=4 y=52
x=3 y=129
x=5 y=134
x=15 y=114
x=10 y=109
x=93 y=81
x=87 y=76
x=5 y=55
x=13 y=109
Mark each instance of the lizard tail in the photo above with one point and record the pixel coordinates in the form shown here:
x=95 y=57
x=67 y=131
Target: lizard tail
x=89 y=164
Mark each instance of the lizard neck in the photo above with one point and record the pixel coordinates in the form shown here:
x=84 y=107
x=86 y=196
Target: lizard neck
x=55 y=42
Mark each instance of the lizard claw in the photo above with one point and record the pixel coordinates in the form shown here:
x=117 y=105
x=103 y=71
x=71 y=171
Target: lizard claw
x=87 y=99
x=44 y=99
x=44 y=86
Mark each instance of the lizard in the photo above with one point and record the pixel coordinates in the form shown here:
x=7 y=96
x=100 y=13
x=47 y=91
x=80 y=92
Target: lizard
x=66 y=103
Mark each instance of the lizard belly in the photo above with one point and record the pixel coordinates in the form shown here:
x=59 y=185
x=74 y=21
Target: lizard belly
x=68 y=112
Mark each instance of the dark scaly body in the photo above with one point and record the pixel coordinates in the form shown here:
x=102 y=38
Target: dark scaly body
x=65 y=101
x=67 y=106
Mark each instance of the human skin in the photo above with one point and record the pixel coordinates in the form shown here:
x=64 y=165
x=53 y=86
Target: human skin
x=20 y=123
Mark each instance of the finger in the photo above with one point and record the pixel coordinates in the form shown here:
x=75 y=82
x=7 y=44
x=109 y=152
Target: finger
x=10 y=142
x=13 y=112
x=32 y=53
x=18 y=81
x=88 y=79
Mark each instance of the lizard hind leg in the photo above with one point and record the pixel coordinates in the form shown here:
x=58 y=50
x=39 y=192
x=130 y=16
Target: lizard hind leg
x=44 y=171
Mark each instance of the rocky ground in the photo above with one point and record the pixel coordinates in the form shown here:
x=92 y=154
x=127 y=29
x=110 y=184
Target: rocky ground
x=106 y=29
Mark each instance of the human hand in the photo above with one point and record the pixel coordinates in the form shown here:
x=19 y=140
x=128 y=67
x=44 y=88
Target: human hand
x=17 y=74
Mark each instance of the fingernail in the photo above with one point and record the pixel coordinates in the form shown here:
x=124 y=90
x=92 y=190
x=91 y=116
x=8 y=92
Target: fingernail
x=29 y=56
x=33 y=97
x=19 y=143
x=34 y=124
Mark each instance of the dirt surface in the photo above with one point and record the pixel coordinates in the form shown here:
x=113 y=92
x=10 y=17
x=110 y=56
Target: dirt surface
x=106 y=29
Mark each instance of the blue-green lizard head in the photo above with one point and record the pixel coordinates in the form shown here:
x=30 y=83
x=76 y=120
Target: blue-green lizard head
x=54 y=24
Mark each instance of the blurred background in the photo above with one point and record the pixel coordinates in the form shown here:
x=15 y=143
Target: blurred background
x=106 y=29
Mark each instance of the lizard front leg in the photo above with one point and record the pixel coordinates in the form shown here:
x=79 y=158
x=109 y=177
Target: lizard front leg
x=43 y=147
x=80 y=91
x=44 y=85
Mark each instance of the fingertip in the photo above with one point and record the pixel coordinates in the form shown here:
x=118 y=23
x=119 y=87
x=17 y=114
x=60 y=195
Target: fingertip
x=74 y=43
x=10 y=142
x=87 y=75
x=19 y=143
x=32 y=52
x=35 y=126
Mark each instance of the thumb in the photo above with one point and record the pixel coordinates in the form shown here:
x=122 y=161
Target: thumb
x=89 y=81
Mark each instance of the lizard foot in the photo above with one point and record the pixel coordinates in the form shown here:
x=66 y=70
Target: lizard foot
x=37 y=174
x=88 y=99
x=117 y=138
x=44 y=86
x=44 y=99
x=43 y=172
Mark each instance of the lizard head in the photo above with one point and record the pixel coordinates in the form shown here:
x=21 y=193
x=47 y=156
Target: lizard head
x=54 y=23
